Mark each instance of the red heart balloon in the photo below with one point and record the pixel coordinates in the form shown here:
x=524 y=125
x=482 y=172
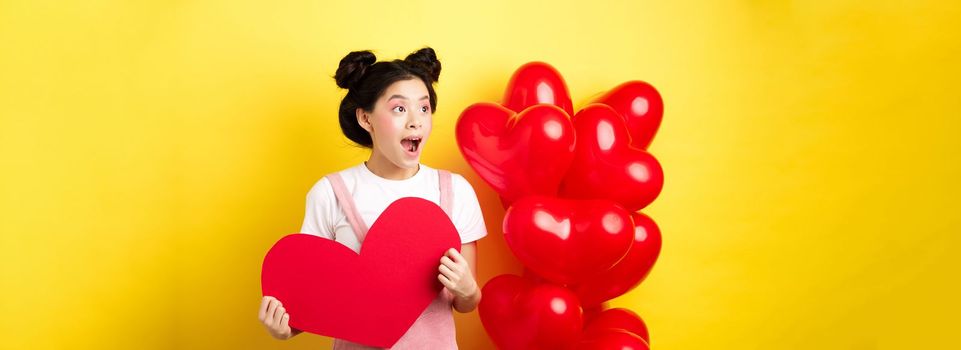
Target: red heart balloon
x=613 y=339
x=630 y=271
x=536 y=83
x=329 y=289
x=517 y=153
x=521 y=314
x=605 y=164
x=617 y=319
x=641 y=106
x=591 y=311
x=567 y=241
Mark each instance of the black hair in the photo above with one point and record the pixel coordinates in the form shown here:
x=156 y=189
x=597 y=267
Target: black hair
x=366 y=80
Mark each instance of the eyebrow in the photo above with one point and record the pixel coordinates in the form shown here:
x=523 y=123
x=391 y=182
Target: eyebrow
x=404 y=98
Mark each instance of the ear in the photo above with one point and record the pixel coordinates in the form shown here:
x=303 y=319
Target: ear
x=363 y=119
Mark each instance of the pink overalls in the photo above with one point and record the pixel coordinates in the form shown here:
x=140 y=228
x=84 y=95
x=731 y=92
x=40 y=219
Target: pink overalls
x=434 y=328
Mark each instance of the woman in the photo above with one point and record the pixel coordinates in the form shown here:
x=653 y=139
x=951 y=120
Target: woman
x=389 y=108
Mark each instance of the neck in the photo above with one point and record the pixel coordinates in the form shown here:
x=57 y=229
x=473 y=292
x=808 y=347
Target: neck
x=381 y=166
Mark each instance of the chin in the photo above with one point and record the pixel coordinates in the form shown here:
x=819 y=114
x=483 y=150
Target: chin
x=408 y=163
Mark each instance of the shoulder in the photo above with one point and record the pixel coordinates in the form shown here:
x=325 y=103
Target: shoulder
x=455 y=178
x=458 y=181
x=460 y=186
x=321 y=190
x=467 y=213
x=324 y=187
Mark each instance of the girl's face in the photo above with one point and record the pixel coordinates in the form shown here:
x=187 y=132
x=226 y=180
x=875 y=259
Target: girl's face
x=400 y=123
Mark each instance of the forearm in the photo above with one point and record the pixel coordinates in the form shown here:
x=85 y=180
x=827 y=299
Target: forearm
x=467 y=303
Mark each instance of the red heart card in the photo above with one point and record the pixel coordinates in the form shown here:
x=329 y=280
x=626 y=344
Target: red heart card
x=370 y=298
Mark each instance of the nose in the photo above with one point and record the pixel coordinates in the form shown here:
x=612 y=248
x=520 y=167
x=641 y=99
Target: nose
x=414 y=123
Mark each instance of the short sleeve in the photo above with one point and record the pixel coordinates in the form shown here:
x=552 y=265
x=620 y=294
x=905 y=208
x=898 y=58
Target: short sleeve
x=467 y=216
x=318 y=215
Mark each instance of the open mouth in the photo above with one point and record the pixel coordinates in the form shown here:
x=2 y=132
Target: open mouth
x=411 y=143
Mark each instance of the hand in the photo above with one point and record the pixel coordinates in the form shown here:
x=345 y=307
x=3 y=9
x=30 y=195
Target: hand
x=455 y=274
x=275 y=318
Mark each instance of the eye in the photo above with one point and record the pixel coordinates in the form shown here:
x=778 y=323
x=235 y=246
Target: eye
x=425 y=109
x=399 y=109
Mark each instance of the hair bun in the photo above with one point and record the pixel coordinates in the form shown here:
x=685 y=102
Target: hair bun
x=426 y=60
x=352 y=68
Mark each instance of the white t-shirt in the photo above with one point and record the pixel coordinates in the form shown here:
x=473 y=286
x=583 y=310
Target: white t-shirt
x=372 y=194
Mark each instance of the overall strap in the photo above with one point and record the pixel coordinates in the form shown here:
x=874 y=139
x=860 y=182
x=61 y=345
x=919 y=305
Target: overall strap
x=347 y=203
x=446 y=194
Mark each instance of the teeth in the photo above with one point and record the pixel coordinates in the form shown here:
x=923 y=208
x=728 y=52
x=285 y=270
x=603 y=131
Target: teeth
x=411 y=143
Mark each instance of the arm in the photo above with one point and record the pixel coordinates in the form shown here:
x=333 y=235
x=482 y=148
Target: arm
x=457 y=272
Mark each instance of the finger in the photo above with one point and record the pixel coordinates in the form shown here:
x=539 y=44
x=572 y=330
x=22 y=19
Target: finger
x=278 y=315
x=446 y=282
x=284 y=322
x=262 y=313
x=456 y=256
x=269 y=319
x=447 y=272
x=448 y=262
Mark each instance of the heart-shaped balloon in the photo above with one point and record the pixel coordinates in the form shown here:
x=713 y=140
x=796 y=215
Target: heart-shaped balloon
x=629 y=271
x=641 y=106
x=605 y=164
x=616 y=319
x=517 y=154
x=591 y=311
x=567 y=241
x=521 y=314
x=536 y=83
x=329 y=289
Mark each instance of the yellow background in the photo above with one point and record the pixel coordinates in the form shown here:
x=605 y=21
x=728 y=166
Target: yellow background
x=152 y=152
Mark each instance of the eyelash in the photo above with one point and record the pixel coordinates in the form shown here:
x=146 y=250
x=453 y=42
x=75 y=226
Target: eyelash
x=424 y=109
